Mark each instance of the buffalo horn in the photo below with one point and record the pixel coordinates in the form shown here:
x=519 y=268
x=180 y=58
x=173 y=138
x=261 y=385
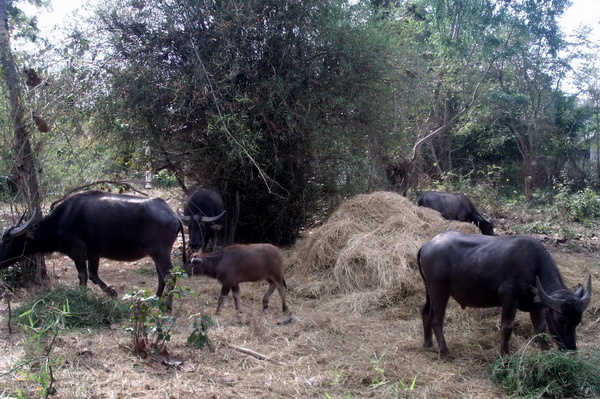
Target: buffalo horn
x=184 y=219
x=23 y=229
x=546 y=299
x=207 y=219
x=587 y=297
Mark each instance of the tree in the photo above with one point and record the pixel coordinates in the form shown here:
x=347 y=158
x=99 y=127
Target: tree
x=24 y=162
x=268 y=100
x=475 y=49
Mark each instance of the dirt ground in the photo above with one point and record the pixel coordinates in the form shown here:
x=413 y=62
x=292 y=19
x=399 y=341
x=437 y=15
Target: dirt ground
x=328 y=350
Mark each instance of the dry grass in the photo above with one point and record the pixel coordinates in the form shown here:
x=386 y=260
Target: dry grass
x=354 y=293
x=367 y=250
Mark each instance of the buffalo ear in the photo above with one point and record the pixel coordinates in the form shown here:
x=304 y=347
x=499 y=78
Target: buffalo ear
x=536 y=298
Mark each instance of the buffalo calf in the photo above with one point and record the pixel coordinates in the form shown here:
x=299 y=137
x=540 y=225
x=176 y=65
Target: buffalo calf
x=239 y=263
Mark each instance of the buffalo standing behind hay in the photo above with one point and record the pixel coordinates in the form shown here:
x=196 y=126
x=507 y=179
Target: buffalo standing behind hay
x=456 y=207
x=240 y=263
x=481 y=271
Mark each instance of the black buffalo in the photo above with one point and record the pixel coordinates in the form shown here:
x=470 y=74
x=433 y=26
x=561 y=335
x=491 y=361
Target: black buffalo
x=512 y=272
x=204 y=207
x=92 y=225
x=456 y=207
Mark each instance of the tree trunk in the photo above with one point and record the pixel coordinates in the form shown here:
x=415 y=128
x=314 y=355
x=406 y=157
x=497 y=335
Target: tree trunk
x=24 y=165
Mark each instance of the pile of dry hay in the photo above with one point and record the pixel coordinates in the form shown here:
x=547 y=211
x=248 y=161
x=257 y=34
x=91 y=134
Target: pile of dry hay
x=367 y=251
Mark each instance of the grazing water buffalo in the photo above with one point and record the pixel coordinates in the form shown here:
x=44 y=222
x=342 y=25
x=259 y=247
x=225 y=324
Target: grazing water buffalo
x=239 y=263
x=512 y=272
x=92 y=225
x=203 y=209
x=456 y=207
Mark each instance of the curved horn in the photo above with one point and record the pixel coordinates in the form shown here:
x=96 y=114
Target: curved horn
x=20 y=219
x=207 y=219
x=587 y=297
x=23 y=229
x=552 y=303
x=184 y=218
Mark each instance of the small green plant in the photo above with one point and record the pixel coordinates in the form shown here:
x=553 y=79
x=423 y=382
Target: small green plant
x=399 y=389
x=548 y=374
x=199 y=336
x=151 y=326
x=151 y=322
x=39 y=363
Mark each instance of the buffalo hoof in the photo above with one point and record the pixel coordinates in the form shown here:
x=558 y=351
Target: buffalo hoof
x=110 y=291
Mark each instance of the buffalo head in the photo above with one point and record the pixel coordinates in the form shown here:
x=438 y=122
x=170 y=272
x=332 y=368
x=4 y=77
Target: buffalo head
x=564 y=312
x=198 y=226
x=14 y=241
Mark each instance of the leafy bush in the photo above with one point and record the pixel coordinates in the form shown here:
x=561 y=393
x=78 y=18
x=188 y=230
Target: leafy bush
x=164 y=179
x=86 y=309
x=578 y=206
x=548 y=374
x=151 y=324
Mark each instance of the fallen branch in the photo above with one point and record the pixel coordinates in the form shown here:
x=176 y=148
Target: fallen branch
x=254 y=353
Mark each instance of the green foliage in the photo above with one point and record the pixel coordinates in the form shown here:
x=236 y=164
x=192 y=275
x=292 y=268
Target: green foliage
x=579 y=206
x=200 y=326
x=164 y=179
x=86 y=309
x=266 y=100
x=39 y=362
x=548 y=374
x=151 y=325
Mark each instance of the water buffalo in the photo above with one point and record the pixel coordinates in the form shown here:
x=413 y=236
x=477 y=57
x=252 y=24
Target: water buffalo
x=236 y=264
x=512 y=272
x=203 y=209
x=91 y=225
x=456 y=207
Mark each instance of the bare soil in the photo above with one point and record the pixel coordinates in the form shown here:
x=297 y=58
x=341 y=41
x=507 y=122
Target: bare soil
x=327 y=349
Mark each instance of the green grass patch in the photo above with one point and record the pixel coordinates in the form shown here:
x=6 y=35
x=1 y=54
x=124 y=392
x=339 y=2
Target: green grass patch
x=548 y=374
x=85 y=308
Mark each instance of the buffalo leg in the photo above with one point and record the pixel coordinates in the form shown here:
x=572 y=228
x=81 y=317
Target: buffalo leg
x=427 y=330
x=235 y=291
x=82 y=272
x=507 y=321
x=222 y=298
x=437 y=313
x=163 y=270
x=281 y=290
x=265 y=300
x=93 y=265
